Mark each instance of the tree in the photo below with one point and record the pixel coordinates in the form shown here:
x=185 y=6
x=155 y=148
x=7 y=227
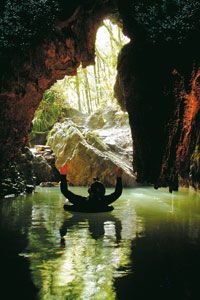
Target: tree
x=90 y=89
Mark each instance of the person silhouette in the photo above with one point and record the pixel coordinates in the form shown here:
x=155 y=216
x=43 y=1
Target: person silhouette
x=97 y=200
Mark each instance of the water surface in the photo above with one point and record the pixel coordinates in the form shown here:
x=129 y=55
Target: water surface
x=149 y=246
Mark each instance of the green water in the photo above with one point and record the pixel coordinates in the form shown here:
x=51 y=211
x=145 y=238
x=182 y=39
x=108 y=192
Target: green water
x=147 y=247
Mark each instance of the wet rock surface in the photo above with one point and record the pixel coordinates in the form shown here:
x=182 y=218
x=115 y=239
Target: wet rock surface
x=18 y=177
x=33 y=167
x=92 y=150
x=164 y=117
x=44 y=165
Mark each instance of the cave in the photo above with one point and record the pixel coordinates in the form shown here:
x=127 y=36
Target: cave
x=157 y=81
x=80 y=123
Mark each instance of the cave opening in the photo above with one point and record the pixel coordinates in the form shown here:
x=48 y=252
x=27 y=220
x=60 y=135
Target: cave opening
x=80 y=120
x=154 y=74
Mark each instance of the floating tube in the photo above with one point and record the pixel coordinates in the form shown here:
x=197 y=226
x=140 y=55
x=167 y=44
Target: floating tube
x=87 y=209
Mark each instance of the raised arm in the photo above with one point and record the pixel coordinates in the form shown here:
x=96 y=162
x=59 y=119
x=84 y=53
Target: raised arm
x=73 y=198
x=118 y=188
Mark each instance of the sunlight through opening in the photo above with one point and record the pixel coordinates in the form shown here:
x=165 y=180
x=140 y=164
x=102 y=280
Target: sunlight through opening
x=91 y=89
x=81 y=121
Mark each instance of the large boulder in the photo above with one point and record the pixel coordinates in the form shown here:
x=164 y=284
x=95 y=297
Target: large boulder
x=89 y=154
x=40 y=137
x=96 y=120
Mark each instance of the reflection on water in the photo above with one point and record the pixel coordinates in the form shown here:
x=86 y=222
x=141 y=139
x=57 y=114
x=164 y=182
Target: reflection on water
x=78 y=255
x=149 y=245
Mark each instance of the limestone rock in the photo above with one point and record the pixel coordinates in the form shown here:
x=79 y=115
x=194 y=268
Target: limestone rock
x=92 y=152
x=44 y=164
x=18 y=178
x=42 y=170
x=96 y=120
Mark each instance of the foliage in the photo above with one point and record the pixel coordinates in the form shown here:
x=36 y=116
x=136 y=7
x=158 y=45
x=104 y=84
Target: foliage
x=24 y=22
x=92 y=88
x=48 y=112
x=167 y=20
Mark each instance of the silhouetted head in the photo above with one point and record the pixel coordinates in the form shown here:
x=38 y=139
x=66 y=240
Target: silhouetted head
x=97 y=189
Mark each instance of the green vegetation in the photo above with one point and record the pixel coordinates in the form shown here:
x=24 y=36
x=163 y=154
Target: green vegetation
x=48 y=112
x=90 y=90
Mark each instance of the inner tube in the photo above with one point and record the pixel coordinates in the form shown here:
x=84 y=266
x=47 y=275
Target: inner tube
x=87 y=209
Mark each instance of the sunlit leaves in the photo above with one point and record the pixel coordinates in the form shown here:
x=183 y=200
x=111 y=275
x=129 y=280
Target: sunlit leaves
x=49 y=111
x=93 y=86
x=91 y=89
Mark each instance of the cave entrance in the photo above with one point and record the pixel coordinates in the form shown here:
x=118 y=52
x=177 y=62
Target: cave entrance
x=81 y=121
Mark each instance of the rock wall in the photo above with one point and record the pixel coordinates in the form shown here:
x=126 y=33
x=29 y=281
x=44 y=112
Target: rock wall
x=163 y=111
x=18 y=177
x=158 y=83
